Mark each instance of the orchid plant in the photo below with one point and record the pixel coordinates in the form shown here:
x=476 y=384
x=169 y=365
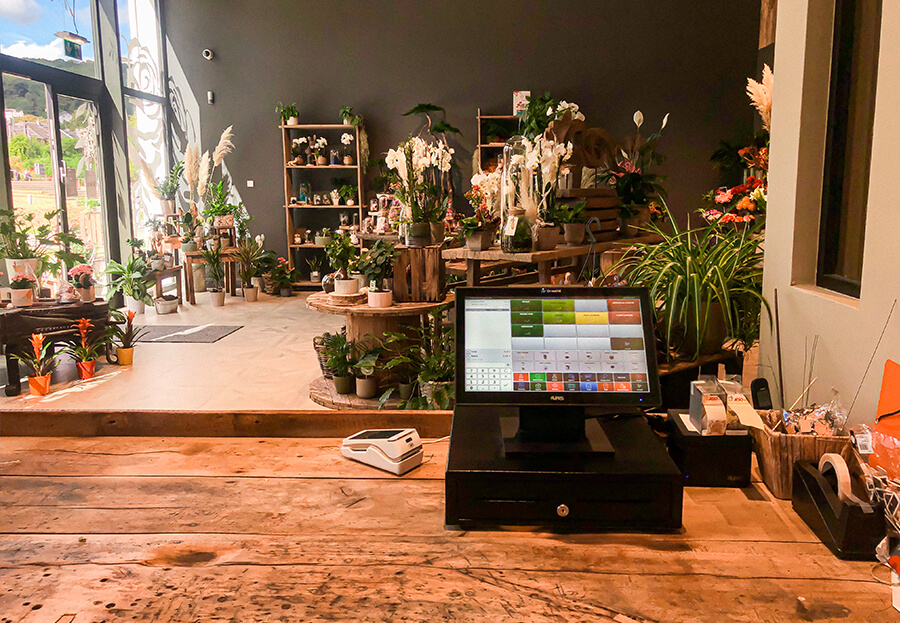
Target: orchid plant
x=317 y=144
x=533 y=175
x=346 y=139
x=417 y=168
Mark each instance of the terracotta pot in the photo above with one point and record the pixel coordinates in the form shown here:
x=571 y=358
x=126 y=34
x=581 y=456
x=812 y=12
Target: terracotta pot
x=367 y=387
x=39 y=385
x=346 y=286
x=217 y=298
x=22 y=298
x=125 y=356
x=437 y=232
x=251 y=293
x=545 y=238
x=380 y=299
x=322 y=161
x=348 y=160
x=479 y=241
x=86 y=369
x=344 y=384
x=168 y=206
x=573 y=233
x=134 y=305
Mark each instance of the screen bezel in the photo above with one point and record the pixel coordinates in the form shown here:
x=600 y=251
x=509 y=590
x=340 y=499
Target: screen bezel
x=614 y=399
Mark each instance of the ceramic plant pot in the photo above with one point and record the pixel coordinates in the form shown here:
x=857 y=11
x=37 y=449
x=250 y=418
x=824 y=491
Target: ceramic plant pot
x=346 y=286
x=292 y=121
x=86 y=294
x=344 y=384
x=348 y=161
x=322 y=240
x=381 y=299
x=22 y=298
x=125 y=356
x=285 y=292
x=322 y=161
x=163 y=306
x=480 y=240
x=573 y=233
x=217 y=298
x=168 y=206
x=418 y=234
x=134 y=305
x=259 y=282
x=545 y=238
x=86 y=369
x=315 y=276
x=406 y=390
x=367 y=387
x=335 y=197
x=39 y=385
x=250 y=293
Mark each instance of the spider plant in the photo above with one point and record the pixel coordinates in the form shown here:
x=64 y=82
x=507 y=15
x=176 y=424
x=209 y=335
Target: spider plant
x=692 y=274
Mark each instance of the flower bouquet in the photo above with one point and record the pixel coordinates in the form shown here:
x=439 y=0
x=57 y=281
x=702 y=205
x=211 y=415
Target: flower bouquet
x=479 y=229
x=740 y=204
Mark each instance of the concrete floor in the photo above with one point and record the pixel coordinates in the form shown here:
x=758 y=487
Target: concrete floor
x=268 y=364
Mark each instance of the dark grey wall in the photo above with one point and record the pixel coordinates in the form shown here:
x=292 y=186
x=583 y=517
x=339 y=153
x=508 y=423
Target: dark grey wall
x=689 y=58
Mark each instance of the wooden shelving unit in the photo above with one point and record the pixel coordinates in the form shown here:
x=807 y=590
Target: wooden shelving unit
x=488 y=151
x=298 y=215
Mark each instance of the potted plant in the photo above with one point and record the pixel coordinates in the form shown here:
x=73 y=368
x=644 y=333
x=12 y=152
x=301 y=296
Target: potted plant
x=215 y=272
x=323 y=237
x=22 y=290
x=346 y=139
x=289 y=114
x=166 y=189
x=41 y=364
x=299 y=146
x=87 y=348
x=315 y=266
x=335 y=193
x=349 y=118
x=631 y=177
x=364 y=369
x=188 y=226
x=266 y=262
x=282 y=277
x=348 y=193
x=478 y=234
x=27 y=247
x=218 y=209
x=81 y=276
x=341 y=255
x=376 y=266
x=484 y=197
x=165 y=304
x=249 y=253
x=438 y=366
x=406 y=361
x=318 y=146
x=132 y=280
x=571 y=215
x=339 y=352
x=125 y=337
x=708 y=284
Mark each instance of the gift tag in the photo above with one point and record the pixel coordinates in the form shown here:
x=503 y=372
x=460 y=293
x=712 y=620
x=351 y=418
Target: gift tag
x=511 y=224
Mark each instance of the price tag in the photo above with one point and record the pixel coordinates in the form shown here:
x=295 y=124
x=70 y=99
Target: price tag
x=863 y=442
x=511 y=224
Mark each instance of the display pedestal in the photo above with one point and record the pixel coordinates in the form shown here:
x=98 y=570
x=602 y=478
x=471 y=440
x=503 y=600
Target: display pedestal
x=636 y=488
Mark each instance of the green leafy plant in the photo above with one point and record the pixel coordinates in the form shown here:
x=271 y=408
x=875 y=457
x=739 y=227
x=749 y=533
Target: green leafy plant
x=23 y=282
x=281 y=274
x=536 y=119
x=131 y=278
x=188 y=225
x=286 y=112
x=217 y=203
x=339 y=353
x=341 y=254
x=690 y=273
x=122 y=330
x=167 y=187
x=471 y=225
x=570 y=212
x=365 y=360
x=347 y=115
x=378 y=263
x=348 y=191
x=215 y=268
x=314 y=263
x=22 y=238
x=267 y=262
x=249 y=252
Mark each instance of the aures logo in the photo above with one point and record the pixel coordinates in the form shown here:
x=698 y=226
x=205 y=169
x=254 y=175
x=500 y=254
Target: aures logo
x=557 y=397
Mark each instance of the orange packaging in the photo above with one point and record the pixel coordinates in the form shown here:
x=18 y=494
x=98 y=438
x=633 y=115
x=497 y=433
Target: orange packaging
x=886 y=432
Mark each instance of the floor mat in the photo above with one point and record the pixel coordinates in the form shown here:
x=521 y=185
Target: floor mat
x=184 y=334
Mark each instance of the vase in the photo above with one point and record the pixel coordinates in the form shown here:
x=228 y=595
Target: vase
x=134 y=305
x=346 y=286
x=418 y=234
x=573 y=233
x=344 y=384
x=39 y=385
x=22 y=298
x=125 y=356
x=285 y=291
x=335 y=197
x=480 y=240
x=545 y=238
x=380 y=298
x=366 y=387
x=350 y=201
x=348 y=161
x=321 y=161
x=251 y=293
x=86 y=369
x=516 y=235
x=217 y=298
x=168 y=206
x=437 y=232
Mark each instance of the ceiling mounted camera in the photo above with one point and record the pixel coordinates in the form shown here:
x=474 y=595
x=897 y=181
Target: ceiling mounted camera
x=208 y=54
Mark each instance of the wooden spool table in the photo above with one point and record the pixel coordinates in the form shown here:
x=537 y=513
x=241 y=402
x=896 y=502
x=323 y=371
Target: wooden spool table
x=322 y=392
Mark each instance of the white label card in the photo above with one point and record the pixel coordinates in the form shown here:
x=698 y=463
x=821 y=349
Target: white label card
x=511 y=224
x=863 y=442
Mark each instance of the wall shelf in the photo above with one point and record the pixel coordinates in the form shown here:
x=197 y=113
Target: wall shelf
x=485 y=150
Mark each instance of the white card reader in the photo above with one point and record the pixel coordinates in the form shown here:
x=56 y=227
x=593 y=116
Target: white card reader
x=394 y=450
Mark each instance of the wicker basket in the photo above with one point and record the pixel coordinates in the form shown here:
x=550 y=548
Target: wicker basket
x=319 y=346
x=777 y=452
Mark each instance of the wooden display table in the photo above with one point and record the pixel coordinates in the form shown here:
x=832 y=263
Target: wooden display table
x=545 y=260
x=168 y=273
x=321 y=392
x=229 y=257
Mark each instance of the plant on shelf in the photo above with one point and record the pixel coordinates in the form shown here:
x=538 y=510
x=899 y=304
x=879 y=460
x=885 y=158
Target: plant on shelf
x=366 y=360
x=572 y=217
x=335 y=193
x=198 y=173
x=318 y=145
x=707 y=283
x=341 y=255
x=541 y=111
x=215 y=272
x=124 y=334
x=299 y=149
x=631 y=175
x=87 y=347
x=348 y=193
x=315 y=268
x=40 y=362
x=166 y=189
x=283 y=277
x=249 y=253
x=81 y=276
x=349 y=117
x=479 y=229
x=289 y=114
x=376 y=266
x=217 y=204
x=338 y=351
x=22 y=289
x=133 y=280
x=323 y=237
x=346 y=139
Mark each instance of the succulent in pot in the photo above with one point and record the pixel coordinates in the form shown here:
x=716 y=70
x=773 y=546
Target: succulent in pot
x=341 y=255
x=376 y=266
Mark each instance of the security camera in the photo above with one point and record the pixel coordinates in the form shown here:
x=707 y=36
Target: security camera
x=208 y=54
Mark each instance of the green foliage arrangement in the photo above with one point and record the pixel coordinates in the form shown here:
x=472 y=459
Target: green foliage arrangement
x=341 y=254
x=286 y=112
x=22 y=238
x=536 y=119
x=249 y=252
x=215 y=268
x=378 y=264
x=339 y=352
x=348 y=115
x=167 y=188
x=366 y=360
x=570 y=212
x=131 y=278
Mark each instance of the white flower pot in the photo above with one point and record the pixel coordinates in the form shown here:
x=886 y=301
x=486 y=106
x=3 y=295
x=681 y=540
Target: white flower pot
x=381 y=299
x=22 y=298
x=168 y=206
x=259 y=283
x=250 y=294
x=217 y=298
x=20 y=267
x=134 y=305
x=165 y=307
x=335 y=197
x=346 y=286
x=293 y=121
x=315 y=276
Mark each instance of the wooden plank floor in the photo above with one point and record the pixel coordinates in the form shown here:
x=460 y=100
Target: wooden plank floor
x=238 y=529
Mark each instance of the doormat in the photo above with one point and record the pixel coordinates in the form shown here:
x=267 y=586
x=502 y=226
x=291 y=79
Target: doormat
x=183 y=334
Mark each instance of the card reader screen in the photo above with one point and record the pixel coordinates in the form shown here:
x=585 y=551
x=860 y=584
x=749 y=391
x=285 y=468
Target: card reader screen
x=377 y=434
x=555 y=345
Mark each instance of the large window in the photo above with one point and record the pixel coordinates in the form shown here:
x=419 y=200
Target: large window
x=851 y=107
x=139 y=46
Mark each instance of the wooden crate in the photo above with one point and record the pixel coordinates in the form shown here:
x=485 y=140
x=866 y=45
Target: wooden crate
x=419 y=275
x=601 y=204
x=777 y=452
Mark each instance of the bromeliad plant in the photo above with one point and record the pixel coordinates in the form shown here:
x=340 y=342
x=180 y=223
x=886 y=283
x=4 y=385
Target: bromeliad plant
x=378 y=264
x=89 y=344
x=39 y=360
x=693 y=272
x=123 y=331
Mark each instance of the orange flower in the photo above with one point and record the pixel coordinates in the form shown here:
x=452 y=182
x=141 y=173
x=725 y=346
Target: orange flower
x=746 y=203
x=37 y=343
x=84 y=329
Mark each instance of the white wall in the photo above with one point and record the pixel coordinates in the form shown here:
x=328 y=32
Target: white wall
x=848 y=328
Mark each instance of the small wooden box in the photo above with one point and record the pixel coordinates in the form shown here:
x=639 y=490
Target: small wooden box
x=600 y=203
x=777 y=453
x=419 y=275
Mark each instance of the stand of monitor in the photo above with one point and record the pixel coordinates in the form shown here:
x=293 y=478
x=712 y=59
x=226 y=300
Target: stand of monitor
x=555 y=352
